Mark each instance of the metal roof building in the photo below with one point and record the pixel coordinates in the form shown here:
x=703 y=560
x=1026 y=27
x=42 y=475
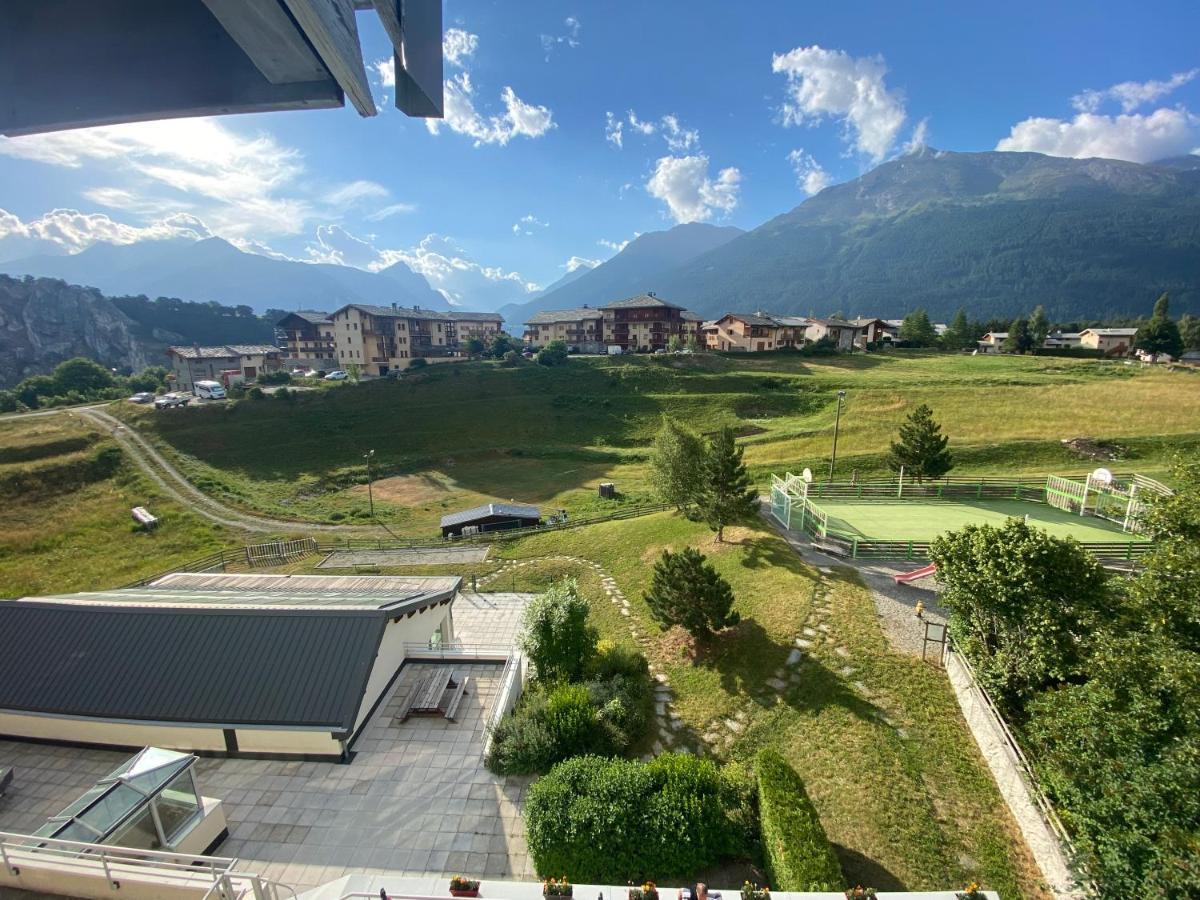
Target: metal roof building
x=491 y=517
x=245 y=664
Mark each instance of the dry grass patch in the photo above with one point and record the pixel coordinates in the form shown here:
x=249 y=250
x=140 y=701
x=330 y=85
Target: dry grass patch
x=408 y=490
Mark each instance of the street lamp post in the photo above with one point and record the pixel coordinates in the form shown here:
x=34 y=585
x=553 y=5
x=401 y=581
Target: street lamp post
x=837 y=421
x=370 y=495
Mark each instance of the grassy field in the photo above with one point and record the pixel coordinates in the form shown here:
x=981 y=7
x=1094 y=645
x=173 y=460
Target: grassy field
x=923 y=520
x=462 y=434
x=65 y=524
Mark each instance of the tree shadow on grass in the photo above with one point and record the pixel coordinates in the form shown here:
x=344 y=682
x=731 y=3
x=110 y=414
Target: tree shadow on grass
x=773 y=552
x=862 y=870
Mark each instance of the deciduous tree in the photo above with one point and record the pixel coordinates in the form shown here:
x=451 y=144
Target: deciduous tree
x=556 y=636
x=676 y=460
x=726 y=492
x=81 y=375
x=553 y=354
x=687 y=591
x=1039 y=327
x=922 y=450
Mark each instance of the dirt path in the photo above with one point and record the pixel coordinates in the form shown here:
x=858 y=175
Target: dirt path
x=174 y=483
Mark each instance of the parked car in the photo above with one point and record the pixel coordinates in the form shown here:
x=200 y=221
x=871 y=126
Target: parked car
x=142 y=397
x=172 y=400
x=336 y=375
x=209 y=390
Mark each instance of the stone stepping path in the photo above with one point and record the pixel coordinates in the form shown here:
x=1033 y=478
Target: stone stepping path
x=669 y=726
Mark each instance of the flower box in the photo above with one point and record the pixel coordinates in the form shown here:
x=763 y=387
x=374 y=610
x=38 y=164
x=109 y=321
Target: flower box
x=559 y=888
x=464 y=887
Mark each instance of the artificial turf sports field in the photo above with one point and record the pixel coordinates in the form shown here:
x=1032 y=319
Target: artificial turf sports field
x=923 y=520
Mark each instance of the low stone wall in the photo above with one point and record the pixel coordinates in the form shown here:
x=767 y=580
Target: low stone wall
x=1007 y=769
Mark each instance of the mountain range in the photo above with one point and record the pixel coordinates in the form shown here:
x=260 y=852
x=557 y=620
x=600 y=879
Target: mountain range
x=996 y=233
x=213 y=270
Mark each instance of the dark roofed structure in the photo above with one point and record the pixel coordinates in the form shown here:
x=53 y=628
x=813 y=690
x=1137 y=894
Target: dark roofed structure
x=221 y=667
x=575 y=314
x=226 y=351
x=641 y=300
x=491 y=517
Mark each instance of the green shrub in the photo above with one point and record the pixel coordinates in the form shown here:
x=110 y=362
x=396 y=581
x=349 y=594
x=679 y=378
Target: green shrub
x=612 y=821
x=279 y=376
x=419 y=363
x=556 y=636
x=798 y=854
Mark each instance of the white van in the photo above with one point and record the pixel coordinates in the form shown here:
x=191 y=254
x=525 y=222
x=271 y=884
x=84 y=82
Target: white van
x=209 y=390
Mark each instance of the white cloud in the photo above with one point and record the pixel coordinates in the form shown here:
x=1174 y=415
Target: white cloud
x=348 y=194
x=70 y=231
x=682 y=183
x=1136 y=137
x=336 y=245
x=392 y=209
x=580 y=262
x=616 y=246
x=234 y=181
x=919 y=140
x=569 y=38
x=1132 y=94
x=810 y=176
x=526 y=224
x=520 y=119
x=458 y=46
x=386 y=70
x=613 y=130
x=833 y=84
x=679 y=139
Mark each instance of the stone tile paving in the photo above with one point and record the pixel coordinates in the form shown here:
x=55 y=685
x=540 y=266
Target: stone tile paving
x=415 y=798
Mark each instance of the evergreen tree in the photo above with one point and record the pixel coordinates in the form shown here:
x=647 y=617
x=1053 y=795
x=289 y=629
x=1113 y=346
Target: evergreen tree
x=921 y=450
x=1039 y=327
x=686 y=591
x=1019 y=339
x=917 y=331
x=1189 y=331
x=725 y=493
x=1160 y=334
x=676 y=460
x=959 y=335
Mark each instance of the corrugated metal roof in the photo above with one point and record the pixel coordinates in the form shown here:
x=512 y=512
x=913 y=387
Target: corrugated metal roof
x=192 y=589
x=515 y=510
x=302 y=668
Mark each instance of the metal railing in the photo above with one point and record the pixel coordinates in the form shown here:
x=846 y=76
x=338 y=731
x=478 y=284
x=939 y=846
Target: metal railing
x=458 y=651
x=18 y=849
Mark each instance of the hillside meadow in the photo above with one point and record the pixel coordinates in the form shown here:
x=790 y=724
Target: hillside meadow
x=461 y=434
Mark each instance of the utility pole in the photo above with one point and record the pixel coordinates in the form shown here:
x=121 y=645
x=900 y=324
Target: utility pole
x=837 y=421
x=371 y=496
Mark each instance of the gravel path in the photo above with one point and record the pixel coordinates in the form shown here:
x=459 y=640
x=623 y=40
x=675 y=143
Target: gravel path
x=174 y=483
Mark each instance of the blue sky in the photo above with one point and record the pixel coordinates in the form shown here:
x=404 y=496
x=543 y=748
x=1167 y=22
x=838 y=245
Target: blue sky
x=572 y=127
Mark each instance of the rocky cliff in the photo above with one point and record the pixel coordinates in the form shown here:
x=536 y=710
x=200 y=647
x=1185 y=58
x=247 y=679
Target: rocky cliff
x=44 y=321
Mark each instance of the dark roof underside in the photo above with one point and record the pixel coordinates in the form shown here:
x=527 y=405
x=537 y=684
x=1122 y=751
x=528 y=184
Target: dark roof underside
x=219 y=667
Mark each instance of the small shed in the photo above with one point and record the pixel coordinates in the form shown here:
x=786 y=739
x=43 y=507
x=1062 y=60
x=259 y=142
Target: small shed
x=491 y=517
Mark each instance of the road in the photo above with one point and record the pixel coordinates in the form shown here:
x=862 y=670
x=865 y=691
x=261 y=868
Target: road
x=174 y=483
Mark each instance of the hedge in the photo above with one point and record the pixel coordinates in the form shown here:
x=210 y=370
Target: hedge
x=798 y=853
x=615 y=821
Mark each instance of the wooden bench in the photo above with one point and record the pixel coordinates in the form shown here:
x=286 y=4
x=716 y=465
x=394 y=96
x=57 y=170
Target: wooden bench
x=456 y=699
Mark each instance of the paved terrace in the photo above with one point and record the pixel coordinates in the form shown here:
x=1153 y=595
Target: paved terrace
x=415 y=799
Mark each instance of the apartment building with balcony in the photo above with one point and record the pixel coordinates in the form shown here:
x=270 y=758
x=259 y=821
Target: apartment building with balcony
x=647 y=322
x=580 y=328
x=308 y=339
x=382 y=339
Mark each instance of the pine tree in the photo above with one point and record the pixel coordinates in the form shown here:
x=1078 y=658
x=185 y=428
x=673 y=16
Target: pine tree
x=958 y=336
x=917 y=331
x=676 y=460
x=1039 y=327
x=1019 y=339
x=726 y=492
x=1160 y=334
x=686 y=591
x=922 y=449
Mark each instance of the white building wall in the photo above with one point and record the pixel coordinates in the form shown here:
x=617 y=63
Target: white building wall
x=416 y=630
x=120 y=734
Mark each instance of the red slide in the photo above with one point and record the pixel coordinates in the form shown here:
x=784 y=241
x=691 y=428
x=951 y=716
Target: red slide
x=906 y=577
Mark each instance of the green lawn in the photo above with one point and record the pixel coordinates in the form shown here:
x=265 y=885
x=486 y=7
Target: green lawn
x=923 y=520
x=462 y=434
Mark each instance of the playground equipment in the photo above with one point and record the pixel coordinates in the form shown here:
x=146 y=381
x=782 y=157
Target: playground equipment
x=915 y=574
x=1119 y=499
